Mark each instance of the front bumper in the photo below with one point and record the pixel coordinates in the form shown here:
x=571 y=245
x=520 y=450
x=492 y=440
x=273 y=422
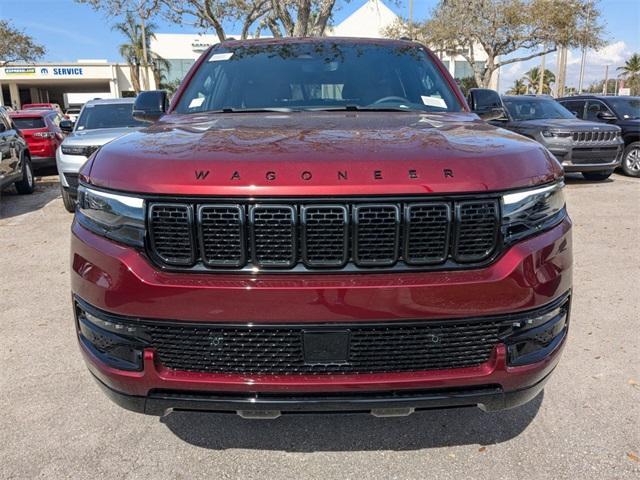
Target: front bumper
x=122 y=281
x=588 y=158
x=385 y=404
x=68 y=164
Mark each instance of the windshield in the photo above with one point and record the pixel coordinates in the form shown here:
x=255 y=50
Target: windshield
x=112 y=115
x=535 y=108
x=627 y=108
x=316 y=76
x=28 y=123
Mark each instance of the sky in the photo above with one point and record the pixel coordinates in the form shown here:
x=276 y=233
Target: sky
x=72 y=31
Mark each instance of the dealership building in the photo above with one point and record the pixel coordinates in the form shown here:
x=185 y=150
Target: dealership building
x=47 y=82
x=370 y=21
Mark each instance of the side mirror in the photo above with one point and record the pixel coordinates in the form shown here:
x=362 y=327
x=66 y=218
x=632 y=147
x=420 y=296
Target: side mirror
x=606 y=116
x=150 y=106
x=486 y=103
x=66 y=126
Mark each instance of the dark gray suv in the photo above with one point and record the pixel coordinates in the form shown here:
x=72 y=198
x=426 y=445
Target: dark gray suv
x=593 y=149
x=15 y=160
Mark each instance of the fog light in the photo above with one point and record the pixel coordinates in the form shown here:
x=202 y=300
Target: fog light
x=535 y=338
x=112 y=342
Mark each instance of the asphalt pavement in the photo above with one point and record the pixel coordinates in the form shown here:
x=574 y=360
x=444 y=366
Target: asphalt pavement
x=57 y=424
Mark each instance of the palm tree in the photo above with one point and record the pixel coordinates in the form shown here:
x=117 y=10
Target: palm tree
x=133 y=51
x=532 y=77
x=518 y=88
x=631 y=73
x=631 y=68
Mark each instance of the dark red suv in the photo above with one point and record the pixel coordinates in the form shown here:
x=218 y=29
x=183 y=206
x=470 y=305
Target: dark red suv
x=320 y=224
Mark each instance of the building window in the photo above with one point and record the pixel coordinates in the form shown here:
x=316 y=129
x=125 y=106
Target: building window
x=463 y=69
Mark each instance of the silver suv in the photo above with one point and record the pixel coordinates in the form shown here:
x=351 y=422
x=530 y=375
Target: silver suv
x=99 y=122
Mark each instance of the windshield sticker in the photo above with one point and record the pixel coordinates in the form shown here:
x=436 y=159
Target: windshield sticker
x=196 y=102
x=434 y=101
x=219 y=57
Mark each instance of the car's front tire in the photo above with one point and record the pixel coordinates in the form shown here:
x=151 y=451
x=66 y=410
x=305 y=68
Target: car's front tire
x=68 y=201
x=27 y=184
x=631 y=160
x=597 y=176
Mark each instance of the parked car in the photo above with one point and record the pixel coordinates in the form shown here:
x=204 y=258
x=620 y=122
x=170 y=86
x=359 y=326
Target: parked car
x=320 y=224
x=41 y=130
x=593 y=149
x=15 y=159
x=100 y=121
x=622 y=111
x=72 y=114
x=42 y=106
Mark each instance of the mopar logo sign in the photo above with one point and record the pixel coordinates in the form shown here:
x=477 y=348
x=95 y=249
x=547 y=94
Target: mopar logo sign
x=66 y=71
x=44 y=71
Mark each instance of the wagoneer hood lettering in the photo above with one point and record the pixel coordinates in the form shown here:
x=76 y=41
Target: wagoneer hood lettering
x=336 y=153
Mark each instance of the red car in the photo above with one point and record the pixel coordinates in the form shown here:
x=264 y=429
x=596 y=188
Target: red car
x=320 y=225
x=41 y=130
x=42 y=106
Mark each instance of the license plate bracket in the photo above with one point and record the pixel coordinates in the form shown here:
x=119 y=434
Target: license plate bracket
x=326 y=347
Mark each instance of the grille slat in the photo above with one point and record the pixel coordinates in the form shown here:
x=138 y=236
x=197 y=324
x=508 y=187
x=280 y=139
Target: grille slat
x=279 y=350
x=477 y=230
x=376 y=235
x=171 y=233
x=273 y=235
x=325 y=235
x=222 y=235
x=230 y=236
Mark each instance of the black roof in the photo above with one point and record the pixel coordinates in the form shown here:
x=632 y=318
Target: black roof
x=591 y=95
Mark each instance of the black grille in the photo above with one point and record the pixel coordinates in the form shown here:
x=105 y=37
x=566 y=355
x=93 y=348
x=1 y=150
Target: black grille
x=273 y=235
x=325 y=235
x=427 y=233
x=279 y=350
x=301 y=236
x=376 y=234
x=222 y=240
x=477 y=230
x=171 y=233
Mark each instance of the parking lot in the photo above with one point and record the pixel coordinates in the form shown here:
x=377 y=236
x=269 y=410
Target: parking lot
x=56 y=423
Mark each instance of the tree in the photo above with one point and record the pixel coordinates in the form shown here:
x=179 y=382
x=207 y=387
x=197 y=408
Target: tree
x=518 y=88
x=504 y=28
x=532 y=77
x=466 y=84
x=144 y=10
x=133 y=50
x=630 y=71
x=282 y=17
x=16 y=46
x=598 y=87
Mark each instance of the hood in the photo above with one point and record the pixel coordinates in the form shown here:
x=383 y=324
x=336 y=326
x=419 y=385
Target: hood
x=328 y=153
x=567 y=124
x=97 y=136
x=630 y=124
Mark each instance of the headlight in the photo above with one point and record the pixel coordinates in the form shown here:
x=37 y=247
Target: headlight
x=528 y=212
x=84 y=150
x=115 y=216
x=548 y=133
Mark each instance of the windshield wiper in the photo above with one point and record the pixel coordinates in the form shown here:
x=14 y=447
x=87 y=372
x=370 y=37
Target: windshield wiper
x=252 y=110
x=358 y=108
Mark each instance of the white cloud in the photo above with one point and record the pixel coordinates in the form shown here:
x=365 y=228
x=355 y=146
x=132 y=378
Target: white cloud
x=613 y=54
